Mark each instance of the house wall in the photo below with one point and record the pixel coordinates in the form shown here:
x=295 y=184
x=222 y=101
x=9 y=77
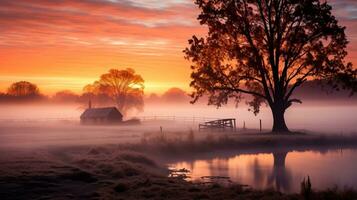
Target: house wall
x=98 y=121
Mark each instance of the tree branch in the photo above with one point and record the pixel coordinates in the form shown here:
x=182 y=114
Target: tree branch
x=239 y=90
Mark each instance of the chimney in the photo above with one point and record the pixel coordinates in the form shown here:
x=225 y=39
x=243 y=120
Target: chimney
x=89 y=104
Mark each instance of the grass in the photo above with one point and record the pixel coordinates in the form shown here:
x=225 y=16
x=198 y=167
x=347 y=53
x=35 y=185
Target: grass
x=129 y=171
x=115 y=162
x=189 y=143
x=148 y=185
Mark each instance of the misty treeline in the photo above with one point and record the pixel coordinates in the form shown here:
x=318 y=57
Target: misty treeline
x=121 y=88
x=172 y=95
x=310 y=91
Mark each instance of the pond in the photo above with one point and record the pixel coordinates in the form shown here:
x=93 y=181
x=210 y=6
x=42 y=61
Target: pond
x=281 y=170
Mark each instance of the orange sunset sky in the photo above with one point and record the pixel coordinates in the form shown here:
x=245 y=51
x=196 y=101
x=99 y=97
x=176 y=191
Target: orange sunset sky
x=66 y=44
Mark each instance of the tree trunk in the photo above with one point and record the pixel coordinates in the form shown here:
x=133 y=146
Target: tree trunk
x=279 y=124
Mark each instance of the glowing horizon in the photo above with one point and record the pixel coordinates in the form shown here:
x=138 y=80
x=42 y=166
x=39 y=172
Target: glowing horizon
x=61 y=45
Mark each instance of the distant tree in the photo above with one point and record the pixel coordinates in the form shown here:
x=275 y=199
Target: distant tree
x=65 y=96
x=3 y=97
x=175 y=95
x=23 y=89
x=98 y=99
x=152 y=98
x=311 y=90
x=267 y=48
x=124 y=87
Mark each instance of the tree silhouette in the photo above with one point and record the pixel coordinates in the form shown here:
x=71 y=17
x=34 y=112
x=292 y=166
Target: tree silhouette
x=124 y=87
x=23 y=89
x=267 y=48
x=65 y=96
x=175 y=95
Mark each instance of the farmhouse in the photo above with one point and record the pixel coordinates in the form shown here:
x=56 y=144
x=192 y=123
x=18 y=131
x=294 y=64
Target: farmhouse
x=108 y=115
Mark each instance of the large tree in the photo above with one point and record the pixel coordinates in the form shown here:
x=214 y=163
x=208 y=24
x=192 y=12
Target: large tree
x=124 y=87
x=266 y=48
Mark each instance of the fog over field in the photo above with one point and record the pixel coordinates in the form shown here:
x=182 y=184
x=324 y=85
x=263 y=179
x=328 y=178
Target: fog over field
x=47 y=141
x=325 y=118
x=33 y=125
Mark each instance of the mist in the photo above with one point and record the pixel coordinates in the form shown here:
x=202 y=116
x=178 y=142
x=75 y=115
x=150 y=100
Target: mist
x=309 y=116
x=168 y=140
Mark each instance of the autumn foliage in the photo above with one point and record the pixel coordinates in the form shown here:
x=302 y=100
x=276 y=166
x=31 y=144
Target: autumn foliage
x=124 y=88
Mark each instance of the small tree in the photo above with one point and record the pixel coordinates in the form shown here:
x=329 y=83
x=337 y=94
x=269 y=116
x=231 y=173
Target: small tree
x=266 y=49
x=124 y=87
x=23 y=89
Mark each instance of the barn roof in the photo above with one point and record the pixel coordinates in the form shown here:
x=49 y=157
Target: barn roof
x=100 y=112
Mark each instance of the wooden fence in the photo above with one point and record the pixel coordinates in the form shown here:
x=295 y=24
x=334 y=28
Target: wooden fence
x=192 y=119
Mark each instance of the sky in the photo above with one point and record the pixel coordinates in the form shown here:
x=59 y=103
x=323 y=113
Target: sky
x=66 y=44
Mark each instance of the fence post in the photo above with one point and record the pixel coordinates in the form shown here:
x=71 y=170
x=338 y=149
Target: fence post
x=235 y=125
x=260 y=125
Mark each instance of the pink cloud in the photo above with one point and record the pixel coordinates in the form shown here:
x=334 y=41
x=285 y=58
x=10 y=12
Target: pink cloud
x=93 y=19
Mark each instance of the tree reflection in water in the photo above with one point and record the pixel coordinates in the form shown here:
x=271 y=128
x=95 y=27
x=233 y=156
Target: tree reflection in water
x=280 y=169
x=280 y=177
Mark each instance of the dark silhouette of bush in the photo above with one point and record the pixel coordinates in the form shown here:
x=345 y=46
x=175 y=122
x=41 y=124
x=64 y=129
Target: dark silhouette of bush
x=306 y=188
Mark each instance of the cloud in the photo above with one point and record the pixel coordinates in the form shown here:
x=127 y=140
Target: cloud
x=344 y=9
x=124 y=22
x=41 y=22
x=62 y=37
x=154 y=4
x=36 y=21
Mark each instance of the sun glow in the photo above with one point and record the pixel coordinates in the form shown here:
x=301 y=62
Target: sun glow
x=69 y=45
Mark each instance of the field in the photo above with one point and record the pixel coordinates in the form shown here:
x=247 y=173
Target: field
x=63 y=160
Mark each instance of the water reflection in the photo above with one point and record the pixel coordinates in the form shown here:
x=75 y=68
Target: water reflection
x=281 y=170
x=280 y=175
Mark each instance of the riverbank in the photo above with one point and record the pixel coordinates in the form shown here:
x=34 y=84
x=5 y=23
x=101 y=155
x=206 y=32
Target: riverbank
x=113 y=172
x=189 y=143
x=137 y=170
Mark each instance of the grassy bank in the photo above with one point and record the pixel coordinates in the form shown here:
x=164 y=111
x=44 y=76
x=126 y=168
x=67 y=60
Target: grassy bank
x=133 y=171
x=110 y=173
x=191 y=143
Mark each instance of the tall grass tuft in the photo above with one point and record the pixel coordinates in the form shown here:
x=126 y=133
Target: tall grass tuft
x=306 y=188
